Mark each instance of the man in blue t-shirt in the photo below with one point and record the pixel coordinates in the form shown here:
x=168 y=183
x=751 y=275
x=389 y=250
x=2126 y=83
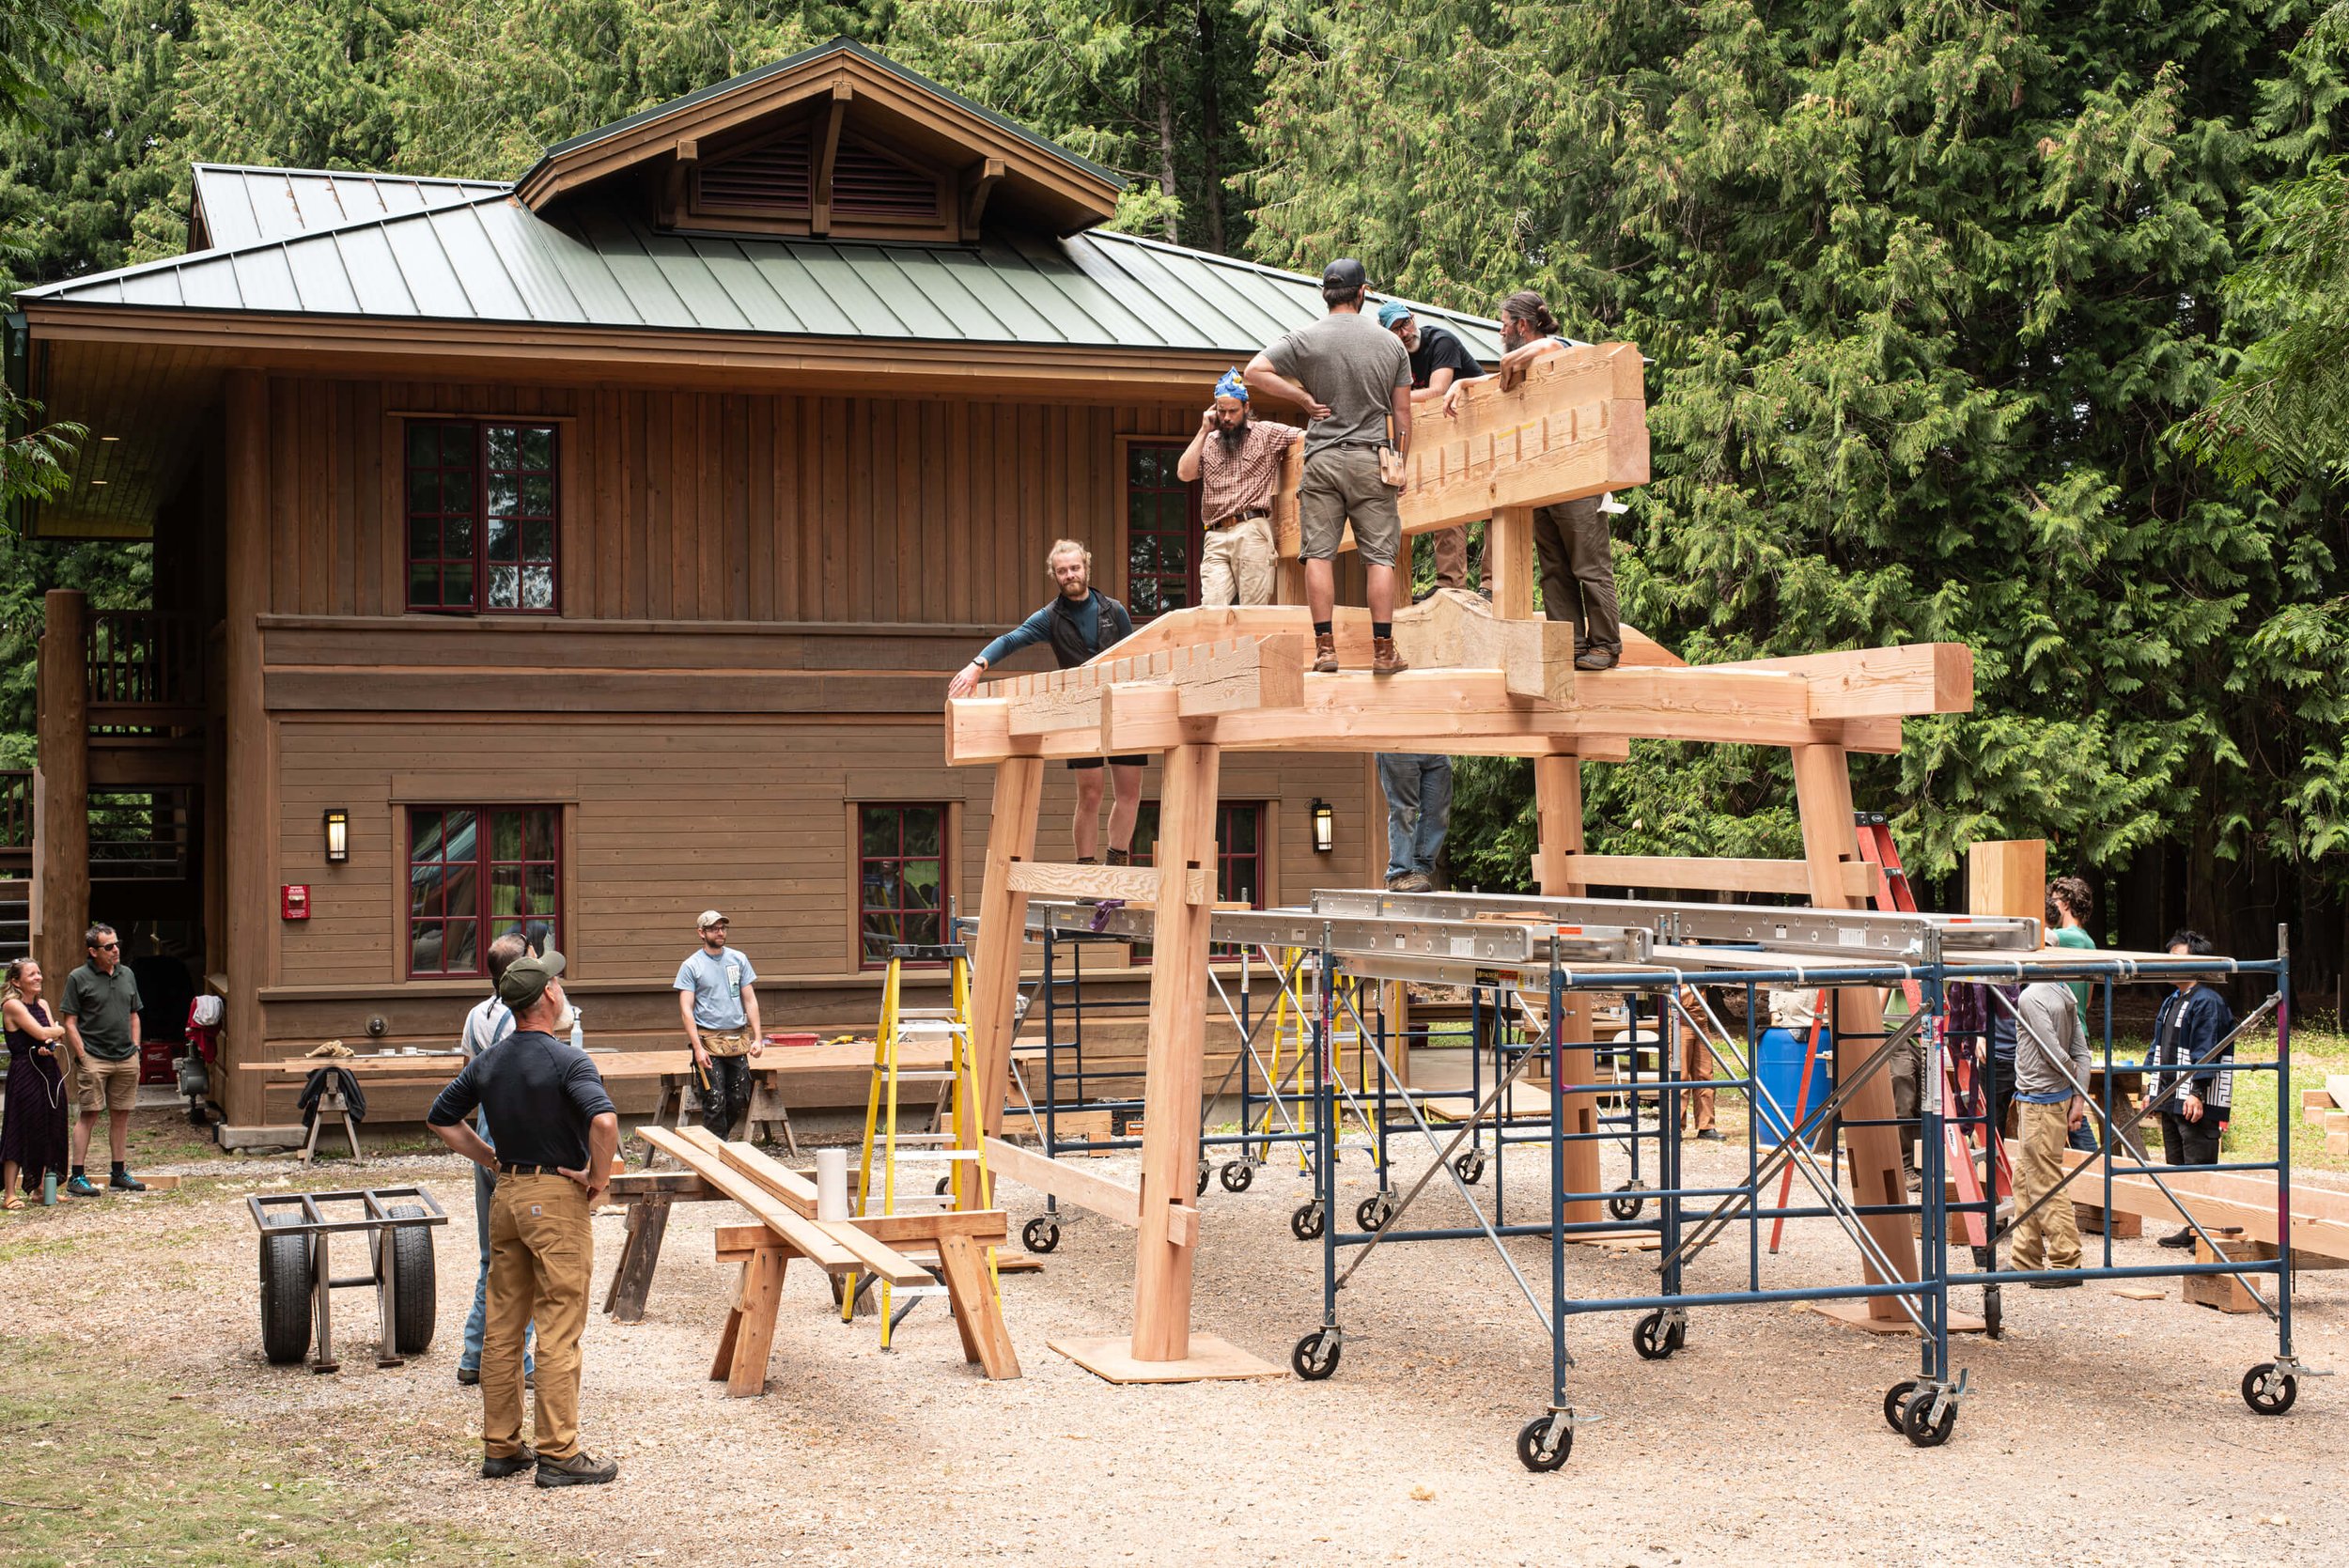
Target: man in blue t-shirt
x=720 y=1012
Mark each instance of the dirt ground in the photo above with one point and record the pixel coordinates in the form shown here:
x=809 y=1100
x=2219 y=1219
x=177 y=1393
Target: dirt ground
x=2100 y=1430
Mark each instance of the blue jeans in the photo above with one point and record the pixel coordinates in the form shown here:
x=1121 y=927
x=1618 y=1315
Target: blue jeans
x=1418 y=786
x=477 y=1320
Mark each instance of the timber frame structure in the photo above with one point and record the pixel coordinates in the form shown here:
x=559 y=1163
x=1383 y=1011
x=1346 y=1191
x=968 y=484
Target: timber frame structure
x=1484 y=679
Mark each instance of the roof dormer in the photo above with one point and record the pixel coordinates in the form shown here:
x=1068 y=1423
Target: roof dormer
x=836 y=141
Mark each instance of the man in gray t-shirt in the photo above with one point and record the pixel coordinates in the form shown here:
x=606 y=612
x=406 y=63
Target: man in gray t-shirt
x=721 y=1013
x=1354 y=376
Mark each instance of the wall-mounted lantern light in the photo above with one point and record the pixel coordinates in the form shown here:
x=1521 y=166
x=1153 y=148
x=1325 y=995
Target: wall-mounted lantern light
x=1325 y=828
x=337 y=836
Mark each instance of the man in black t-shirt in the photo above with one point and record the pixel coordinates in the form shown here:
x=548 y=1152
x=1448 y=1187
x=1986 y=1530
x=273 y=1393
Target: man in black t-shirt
x=1438 y=359
x=557 y=1132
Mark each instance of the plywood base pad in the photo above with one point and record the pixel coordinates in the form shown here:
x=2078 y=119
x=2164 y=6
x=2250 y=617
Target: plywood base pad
x=1854 y=1314
x=1210 y=1359
x=1619 y=1241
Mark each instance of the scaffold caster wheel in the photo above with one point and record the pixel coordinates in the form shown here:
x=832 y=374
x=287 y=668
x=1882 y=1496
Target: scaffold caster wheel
x=1653 y=1340
x=1305 y=1223
x=2268 y=1391
x=1373 y=1212
x=1316 y=1355
x=946 y=1184
x=1206 y=1172
x=1625 y=1204
x=1894 y=1397
x=1238 y=1176
x=1545 y=1443
x=1917 y=1422
x=1039 y=1234
x=1470 y=1167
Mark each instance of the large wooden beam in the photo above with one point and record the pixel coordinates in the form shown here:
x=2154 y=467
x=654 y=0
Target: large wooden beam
x=60 y=901
x=1874 y=683
x=1177 y=1045
x=1227 y=676
x=2007 y=877
x=1703 y=873
x=1132 y=884
x=1558 y=807
x=827 y=157
x=248 y=827
x=1088 y=1189
x=1831 y=842
x=1003 y=927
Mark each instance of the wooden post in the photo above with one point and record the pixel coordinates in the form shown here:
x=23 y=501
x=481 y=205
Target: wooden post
x=1558 y=802
x=250 y=901
x=1509 y=553
x=1830 y=839
x=60 y=902
x=1178 y=1044
x=2007 y=877
x=1003 y=929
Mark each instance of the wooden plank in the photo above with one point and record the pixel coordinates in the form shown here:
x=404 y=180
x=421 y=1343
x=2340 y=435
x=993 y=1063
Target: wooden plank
x=1225 y=676
x=1557 y=815
x=2007 y=877
x=1088 y=1189
x=2320 y=1218
x=1718 y=874
x=749 y=1336
x=1134 y=884
x=1003 y=918
x=1867 y=683
x=1509 y=550
x=811 y=1240
x=796 y=1190
x=639 y=1254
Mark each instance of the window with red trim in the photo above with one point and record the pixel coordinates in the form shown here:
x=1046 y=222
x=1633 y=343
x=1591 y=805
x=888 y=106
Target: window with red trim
x=901 y=879
x=482 y=514
x=1164 y=537
x=474 y=874
x=1238 y=856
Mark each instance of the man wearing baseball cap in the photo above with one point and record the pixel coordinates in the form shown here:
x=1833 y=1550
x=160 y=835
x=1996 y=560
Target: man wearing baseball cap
x=1438 y=359
x=557 y=1132
x=1354 y=378
x=720 y=1012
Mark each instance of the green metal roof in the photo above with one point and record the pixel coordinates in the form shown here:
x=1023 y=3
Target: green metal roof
x=486 y=257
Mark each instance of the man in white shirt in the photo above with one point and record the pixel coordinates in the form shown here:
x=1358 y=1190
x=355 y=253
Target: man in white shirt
x=487 y=1026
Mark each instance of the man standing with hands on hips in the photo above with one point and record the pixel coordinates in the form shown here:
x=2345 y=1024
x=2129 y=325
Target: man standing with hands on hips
x=557 y=1132
x=714 y=992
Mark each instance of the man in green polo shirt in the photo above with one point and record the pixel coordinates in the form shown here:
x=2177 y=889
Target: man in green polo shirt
x=100 y=1010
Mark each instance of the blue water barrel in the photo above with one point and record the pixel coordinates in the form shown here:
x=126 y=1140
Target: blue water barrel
x=1778 y=1063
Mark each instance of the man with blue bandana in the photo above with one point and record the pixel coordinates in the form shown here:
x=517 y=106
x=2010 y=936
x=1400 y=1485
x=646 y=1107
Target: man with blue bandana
x=1238 y=462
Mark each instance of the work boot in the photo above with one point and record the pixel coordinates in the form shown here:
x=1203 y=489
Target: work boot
x=122 y=1181
x=1325 y=652
x=579 y=1469
x=497 y=1467
x=81 y=1187
x=1710 y=1134
x=1121 y=857
x=1414 y=882
x=1384 y=660
x=2180 y=1239
x=1595 y=659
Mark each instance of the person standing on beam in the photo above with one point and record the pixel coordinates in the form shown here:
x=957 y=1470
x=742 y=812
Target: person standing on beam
x=1355 y=378
x=1570 y=540
x=1438 y=359
x=1238 y=462
x=1078 y=623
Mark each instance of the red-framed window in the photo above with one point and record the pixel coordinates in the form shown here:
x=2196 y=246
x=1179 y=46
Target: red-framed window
x=901 y=879
x=1164 y=534
x=475 y=872
x=482 y=514
x=1240 y=857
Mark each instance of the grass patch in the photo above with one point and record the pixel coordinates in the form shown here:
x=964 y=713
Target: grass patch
x=2251 y=1131
x=101 y=1465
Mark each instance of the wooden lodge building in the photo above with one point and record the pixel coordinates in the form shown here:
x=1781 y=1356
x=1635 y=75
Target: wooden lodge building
x=599 y=546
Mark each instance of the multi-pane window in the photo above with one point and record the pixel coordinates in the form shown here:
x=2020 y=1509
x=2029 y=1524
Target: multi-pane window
x=481 y=516
x=476 y=873
x=1239 y=860
x=901 y=879
x=1162 y=531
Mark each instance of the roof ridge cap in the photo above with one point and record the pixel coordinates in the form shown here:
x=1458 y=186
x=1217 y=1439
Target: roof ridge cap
x=352 y=174
x=1219 y=258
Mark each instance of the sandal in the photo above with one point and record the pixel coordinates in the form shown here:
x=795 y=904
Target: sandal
x=10 y=1202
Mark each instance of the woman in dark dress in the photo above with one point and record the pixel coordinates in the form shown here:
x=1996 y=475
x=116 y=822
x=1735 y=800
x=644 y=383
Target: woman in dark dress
x=32 y=1135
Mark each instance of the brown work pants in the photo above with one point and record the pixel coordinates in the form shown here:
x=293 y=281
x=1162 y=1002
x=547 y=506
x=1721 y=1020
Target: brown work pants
x=541 y=1253
x=2051 y=1237
x=1577 y=556
x=1696 y=1064
x=1450 y=550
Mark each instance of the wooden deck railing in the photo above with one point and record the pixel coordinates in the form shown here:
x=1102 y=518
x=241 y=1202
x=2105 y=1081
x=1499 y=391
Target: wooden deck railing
x=144 y=658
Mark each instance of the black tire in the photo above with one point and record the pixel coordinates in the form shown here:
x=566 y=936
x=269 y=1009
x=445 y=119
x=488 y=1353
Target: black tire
x=1470 y=1167
x=1306 y=1222
x=284 y=1294
x=1206 y=1172
x=1895 y=1398
x=1238 y=1176
x=1039 y=1234
x=416 y=1296
x=1374 y=1213
x=1529 y=1446
x=1316 y=1355
x=2257 y=1395
x=946 y=1184
x=1654 y=1341
x=1626 y=1204
x=1919 y=1426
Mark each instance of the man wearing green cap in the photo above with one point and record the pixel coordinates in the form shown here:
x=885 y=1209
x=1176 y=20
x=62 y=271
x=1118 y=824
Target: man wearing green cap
x=1238 y=462
x=557 y=1132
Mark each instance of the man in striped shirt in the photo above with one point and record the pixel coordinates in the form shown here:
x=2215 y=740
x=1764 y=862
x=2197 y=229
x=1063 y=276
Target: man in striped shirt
x=486 y=1027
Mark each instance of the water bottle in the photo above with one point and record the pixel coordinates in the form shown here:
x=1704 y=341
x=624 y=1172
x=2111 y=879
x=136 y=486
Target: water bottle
x=49 y=1189
x=578 y=1036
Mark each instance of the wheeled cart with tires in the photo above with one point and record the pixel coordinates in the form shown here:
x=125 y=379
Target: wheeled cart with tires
x=297 y=1281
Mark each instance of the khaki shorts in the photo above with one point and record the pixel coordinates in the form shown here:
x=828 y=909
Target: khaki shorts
x=1342 y=483
x=105 y=1085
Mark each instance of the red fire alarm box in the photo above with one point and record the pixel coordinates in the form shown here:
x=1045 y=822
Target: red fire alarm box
x=293 y=901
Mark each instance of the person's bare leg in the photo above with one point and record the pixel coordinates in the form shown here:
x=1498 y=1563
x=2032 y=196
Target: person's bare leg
x=1086 y=830
x=83 y=1125
x=118 y=1134
x=1382 y=586
x=7 y=1185
x=1125 y=805
x=1321 y=589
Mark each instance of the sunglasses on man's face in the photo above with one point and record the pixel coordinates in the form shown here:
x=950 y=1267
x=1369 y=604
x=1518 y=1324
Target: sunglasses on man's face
x=108 y=947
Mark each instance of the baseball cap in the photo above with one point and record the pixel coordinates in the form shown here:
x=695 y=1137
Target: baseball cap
x=1391 y=312
x=710 y=917
x=525 y=979
x=1345 y=272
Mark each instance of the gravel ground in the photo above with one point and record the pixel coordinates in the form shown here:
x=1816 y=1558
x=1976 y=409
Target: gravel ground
x=2102 y=1430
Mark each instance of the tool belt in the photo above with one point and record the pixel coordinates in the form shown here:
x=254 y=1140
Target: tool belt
x=507 y=1167
x=1245 y=515
x=727 y=1042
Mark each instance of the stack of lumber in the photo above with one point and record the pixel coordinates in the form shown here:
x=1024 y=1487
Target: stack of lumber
x=2228 y=1203
x=2329 y=1108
